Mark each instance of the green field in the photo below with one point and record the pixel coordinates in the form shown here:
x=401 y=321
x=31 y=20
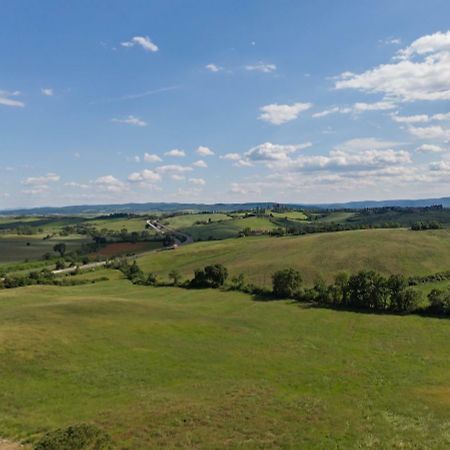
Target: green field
x=188 y=220
x=293 y=215
x=117 y=224
x=15 y=249
x=172 y=368
x=228 y=228
x=315 y=255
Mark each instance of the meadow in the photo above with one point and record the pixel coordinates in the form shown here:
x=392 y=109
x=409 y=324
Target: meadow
x=315 y=255
x=173 y=368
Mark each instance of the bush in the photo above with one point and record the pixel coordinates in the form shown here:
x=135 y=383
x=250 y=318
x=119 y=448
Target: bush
x=286 y=283
x=76 y=437
x=210 y=277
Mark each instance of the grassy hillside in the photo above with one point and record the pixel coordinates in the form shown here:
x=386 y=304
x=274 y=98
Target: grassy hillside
x=169 y=368
x=229 y=228
x=387 y=251
x=188 y=220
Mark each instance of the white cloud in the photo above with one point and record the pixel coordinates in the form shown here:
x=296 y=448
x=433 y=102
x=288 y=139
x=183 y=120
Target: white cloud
x=273 y=152
x=204 y=151
x=143 y=41
x=430 y=148
x=6 y=100
x=131 y=120
x=173 y=168
x=75 y=184
x=432 y=132
x=356 y=108
x=360 y=144
x=47 y=91
x=177 y=177
x=200 y=163
x=261 y=67
x=420 y=72
x=213 y=68
x=176 y=153
x=145 y=175
x=151 y=158
x=418 y=118
x=197 y=181
x=231 y=156
x=109 y=183
x=377 y=106
x=278 y=114
x=41 y=181
x=440 y=166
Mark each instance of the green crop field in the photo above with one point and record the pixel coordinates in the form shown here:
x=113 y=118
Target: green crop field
x=172 y=368
x=188 y=220
x=293 y=215
x=117 y=224
x=314 y=255
x=14 y=249
x=228 y=228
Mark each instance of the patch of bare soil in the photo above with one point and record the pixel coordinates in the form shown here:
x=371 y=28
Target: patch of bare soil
x=9 y=445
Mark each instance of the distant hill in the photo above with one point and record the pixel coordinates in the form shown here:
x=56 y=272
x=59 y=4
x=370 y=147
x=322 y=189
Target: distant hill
x=171 y=207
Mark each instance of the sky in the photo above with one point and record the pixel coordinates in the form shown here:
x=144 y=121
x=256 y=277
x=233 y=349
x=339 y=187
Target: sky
x=223 y=101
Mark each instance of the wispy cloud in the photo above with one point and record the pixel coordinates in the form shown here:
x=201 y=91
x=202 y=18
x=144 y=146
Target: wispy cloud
x=131 y=120
x=7 y=99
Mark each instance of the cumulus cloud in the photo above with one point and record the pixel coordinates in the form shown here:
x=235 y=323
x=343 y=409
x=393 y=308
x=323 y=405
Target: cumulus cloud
x=440 y=166
x=273 y=152
x=231 y=156
x=135 y=159
x=204 y=151
x=278 y=113
x=430 y=148
x=75 y=184
x=261 y=67
x=145 y=175
x=173 y=169
x=151 y=158
x=142 y=41
x=131 y=120
x=175 y=153
x=7 y=99
x=109 y=183
x=418 y=118
x=420 y=71
x=433 y=132
x=200 y=163
x=41 y=181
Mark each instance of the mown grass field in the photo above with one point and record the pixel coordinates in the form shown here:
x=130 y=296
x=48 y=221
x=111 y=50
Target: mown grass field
x=173 y=368
x=315 y=255
x=117 y=224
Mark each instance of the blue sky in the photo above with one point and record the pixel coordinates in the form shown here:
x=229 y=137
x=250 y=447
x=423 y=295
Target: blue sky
x=223 y=101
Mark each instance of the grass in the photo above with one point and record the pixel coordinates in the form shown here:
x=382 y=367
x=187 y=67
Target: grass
x=172 y=368
x=315 y=255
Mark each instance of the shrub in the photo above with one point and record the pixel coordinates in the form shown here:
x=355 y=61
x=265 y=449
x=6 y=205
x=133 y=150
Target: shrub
x=75 y=437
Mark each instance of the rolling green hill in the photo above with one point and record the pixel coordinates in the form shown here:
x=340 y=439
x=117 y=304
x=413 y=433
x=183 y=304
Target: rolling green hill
x=172 y=368
x=314 y=255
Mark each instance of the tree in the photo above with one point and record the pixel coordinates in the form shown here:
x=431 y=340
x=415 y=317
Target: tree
x=286 y=283
x=60 y=264
x=175 y=276
x=60 y=248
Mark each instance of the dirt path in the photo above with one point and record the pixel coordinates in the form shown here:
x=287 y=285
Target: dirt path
x=9 y=445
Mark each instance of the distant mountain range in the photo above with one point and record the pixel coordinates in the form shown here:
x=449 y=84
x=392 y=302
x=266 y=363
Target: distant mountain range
x=171 y=207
